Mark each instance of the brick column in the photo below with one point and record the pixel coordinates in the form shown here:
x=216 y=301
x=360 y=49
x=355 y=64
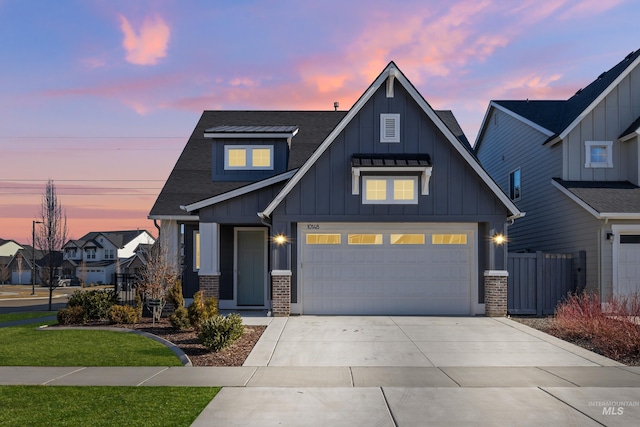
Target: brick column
x=495 y=293
x=281 y=292
x=210 y=286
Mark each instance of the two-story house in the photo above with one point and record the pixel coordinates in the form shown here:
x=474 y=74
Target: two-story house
x=382 y=209
x=95 y=257
x=574 y=166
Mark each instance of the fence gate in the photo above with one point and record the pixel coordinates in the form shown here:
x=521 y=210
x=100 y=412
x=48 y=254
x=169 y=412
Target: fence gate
x=539 y=281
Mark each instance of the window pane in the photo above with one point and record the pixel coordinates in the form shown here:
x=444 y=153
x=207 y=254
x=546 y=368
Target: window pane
x=376 y=189
x=237 y=157
x=403 y=189
x=196 y=252
x=514 y=184
x=598 y=154
x=365 y=239
x=261 y=157
x=449 y=239
x=407 y=239
x=323 y=239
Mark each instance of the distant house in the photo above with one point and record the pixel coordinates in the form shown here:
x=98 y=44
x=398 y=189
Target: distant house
x=97 y=256
x=8 y=248
x=574 y=166
x=21 y=265
x=383 y=209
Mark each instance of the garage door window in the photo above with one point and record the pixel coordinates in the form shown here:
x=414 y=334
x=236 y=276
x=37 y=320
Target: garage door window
x=407 y=239
x=365 y=239
x=449 y=239
x=323 y=239
x=629 y=239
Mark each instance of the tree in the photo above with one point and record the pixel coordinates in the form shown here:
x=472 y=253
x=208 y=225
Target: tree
x=19 y=261
x=51 y=236
x=5 y=273
x=158 y=276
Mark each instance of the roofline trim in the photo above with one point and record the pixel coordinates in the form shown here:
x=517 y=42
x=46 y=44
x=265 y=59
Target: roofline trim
x=630 y=135
x=175 y=217
x=245 y=135
x=600 y=97
x=239 y=191
x=391 y=69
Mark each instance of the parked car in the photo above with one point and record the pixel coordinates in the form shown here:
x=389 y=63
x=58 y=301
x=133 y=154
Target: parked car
x=68 y=281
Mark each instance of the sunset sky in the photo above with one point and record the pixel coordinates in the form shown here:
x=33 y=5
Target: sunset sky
x=101 y=96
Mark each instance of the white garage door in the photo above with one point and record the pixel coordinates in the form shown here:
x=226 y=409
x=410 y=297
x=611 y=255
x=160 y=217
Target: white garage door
x=628 y=265
x=387 y=269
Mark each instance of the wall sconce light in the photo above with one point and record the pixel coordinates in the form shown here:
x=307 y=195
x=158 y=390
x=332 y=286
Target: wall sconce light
x=609 y=236
x=499 y=239
x=280 y=239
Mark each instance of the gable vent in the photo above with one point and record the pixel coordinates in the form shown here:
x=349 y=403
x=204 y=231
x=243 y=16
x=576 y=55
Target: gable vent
x=389 y=127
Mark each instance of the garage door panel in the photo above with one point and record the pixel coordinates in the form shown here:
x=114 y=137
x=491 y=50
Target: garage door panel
x=387 y=278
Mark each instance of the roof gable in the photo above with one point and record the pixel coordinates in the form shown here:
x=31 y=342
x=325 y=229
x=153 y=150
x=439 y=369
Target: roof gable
x=389 y=73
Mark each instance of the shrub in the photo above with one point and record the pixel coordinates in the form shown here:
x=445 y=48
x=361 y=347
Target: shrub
x=72 y=316
x=219 y=331
x=202 y=309
x=123 y=314
x=179 y=319
x=174 y=296
x=96 y=303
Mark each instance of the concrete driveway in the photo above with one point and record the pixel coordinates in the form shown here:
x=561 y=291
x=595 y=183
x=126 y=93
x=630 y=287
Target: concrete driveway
x=413 y=371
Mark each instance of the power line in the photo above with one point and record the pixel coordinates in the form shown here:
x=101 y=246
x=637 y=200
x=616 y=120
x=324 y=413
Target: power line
x=83 y=180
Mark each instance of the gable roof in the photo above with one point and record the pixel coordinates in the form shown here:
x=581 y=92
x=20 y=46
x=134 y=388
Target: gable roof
x=603 y=199
x=391 y=71
x=118 y=238
x=559 y=117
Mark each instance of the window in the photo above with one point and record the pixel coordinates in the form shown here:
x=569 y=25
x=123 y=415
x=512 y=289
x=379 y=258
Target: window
x=109 y=254
x=407 y=239
x=598 y=154
x=514 y=185
x=196 y=250
x=323 y=239
x=365 y=239
x=390 y=190
x=246 y=157
x=389 y=127
x=449 y=239
x=91 y=254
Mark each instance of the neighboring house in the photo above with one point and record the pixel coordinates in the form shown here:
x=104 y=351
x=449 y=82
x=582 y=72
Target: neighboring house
x=132 y=265
x=96 y=256
x=8 y=248
x=21 y=265
x=383 y=209
x=574 y=166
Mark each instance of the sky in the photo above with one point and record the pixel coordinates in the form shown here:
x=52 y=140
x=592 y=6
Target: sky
x=102 y=95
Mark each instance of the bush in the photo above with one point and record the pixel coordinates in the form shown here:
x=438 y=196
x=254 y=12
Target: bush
x=72 y=316
x=174 y=296
x=219 y=331
x=179 y=319
x=202 y=309
x=123 y=314
x=96 y=303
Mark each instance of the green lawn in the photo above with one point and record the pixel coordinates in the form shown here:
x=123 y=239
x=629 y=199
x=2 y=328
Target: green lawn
x=102 y=406
x=26 y=346
x=10 y=317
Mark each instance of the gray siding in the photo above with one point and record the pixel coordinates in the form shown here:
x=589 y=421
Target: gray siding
x=605 y=123
x=242 y=209
x=553 y=222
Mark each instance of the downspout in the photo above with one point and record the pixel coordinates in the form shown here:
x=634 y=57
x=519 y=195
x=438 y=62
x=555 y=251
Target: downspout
x=155 y=222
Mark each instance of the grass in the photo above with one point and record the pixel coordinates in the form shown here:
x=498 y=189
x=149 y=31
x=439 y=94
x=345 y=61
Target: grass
x=10 y=317
x=102 y=406
x=26 y=346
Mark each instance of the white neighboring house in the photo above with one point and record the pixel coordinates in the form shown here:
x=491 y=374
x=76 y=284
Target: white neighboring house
x=96 y=256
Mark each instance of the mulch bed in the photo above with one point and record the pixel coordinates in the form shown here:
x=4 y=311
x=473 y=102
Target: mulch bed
x=233 y=355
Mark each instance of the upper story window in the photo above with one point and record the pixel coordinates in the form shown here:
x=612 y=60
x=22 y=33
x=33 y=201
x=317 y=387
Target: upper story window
x=389 y=127
x=248 y=157
x=390 y=190
x=91 y=254
x=109 y=254
x=514 y=185
x=598 y=154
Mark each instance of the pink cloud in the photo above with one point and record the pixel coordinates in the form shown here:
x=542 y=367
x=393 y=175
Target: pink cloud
x=148 y=45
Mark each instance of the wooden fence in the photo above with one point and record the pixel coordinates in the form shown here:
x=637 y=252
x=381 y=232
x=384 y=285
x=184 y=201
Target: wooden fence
x=539 y=281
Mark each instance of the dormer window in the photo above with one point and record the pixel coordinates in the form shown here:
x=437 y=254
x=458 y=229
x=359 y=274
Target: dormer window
x=598 y=154
x=248 y=157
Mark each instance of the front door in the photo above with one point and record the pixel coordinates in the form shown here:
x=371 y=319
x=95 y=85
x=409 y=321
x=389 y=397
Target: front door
x=251 y=266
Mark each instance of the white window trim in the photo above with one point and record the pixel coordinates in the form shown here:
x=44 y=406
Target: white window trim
x=425 y=175
x=389 y=200
x=396 y=128
x=197 y=242
x=510 y=189
x=608 y=145
x=249 y=157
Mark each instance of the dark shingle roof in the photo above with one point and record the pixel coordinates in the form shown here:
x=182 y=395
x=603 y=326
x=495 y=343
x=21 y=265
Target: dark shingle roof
x=556 y=116
x=606 y=196
x=390 y=160
x=632 y=128
x=251 y=129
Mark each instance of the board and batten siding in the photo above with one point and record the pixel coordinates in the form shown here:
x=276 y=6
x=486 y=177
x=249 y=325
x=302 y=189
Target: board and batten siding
x=553 y=223
x=456 y=192
x=605 y=122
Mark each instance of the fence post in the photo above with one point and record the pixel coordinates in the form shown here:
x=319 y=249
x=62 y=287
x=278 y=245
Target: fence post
x=539 y=283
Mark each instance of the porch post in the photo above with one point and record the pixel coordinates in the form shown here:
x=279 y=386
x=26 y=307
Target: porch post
x=495 y=293
x=209 y=273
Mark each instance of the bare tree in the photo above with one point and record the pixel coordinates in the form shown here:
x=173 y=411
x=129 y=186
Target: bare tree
x=82 y=273
x=157 y=276
x=19 y=261
x=51 y=235
x=5 y=273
